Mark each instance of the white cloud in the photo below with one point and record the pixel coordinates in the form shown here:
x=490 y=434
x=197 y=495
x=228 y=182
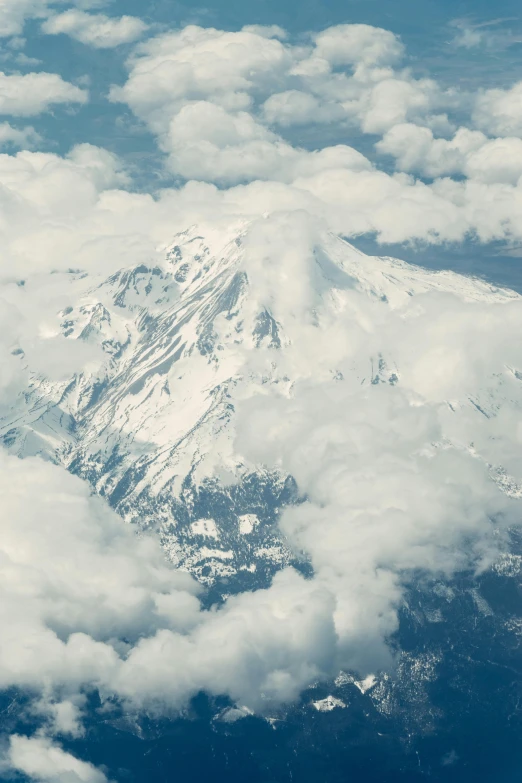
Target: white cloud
x=247 y=82
x=500 y=111
x=74 y=210
x=469 y=152
x=199 y=64
x=30 y=94
x=62 y=717
x=295 y=107
x=45 y=762
x=67 y=629
x=468 y=37
x=206 y=142
x=393 y=101
x=358 y=44
x=417 y=150
x=499 y=160
x=97 y=30
x=77 y=537
x=18 y=137
x=14 y=13
x=491 y=34
x=193 y=89
x=267 y=31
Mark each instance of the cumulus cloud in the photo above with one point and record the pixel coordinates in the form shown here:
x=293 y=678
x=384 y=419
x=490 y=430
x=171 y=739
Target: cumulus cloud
x=42 y=186
x=206 y=142
x=97 y=30
x=220 y=104
x=358 y=44
x=204 y=77
x=76 y=211
x=14 y=13
x=469 y=153
x=296 y=107
x=18 y=137
x=416 y=149
x=137 y=631
x=30 y=94
x=247 y=82
x=393 y=100
x=500 y=111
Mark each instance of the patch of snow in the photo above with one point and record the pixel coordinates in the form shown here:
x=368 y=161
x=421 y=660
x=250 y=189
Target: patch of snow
x=434 y=616
x=232 y=714
x=328 y=704
x=248 y=523
x=217 y=554
x=367 y=684
x=274 y=554
x=343 y=679
x=205 y=527
x=508 y=565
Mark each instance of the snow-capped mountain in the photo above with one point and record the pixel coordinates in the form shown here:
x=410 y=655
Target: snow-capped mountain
x=151 y=425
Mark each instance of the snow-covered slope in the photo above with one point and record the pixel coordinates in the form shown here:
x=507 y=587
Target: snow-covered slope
x=151 y=426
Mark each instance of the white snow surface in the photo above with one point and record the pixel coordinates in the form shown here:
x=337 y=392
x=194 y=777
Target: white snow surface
x=328 y=704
